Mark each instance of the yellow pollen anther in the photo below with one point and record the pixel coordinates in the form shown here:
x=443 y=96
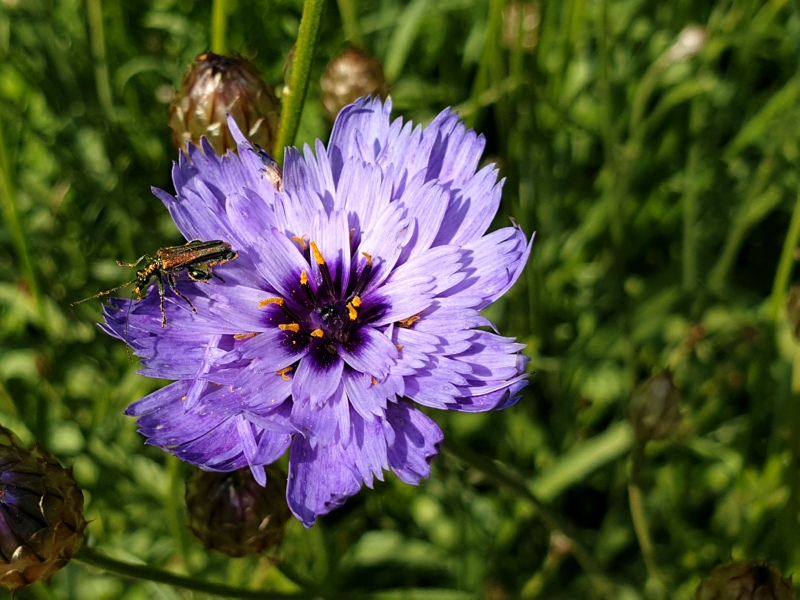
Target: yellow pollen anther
x=351 y=311
x=368 y=257
x=356 y=301
x=303 y=278
x=283 y=373
x=317 y=254
x=289 y=327
x=399 y=346
x=300 y=241
x=317 y=333
x=245 y=336
x=268 y=301
x=409 y=321
x=374 y=381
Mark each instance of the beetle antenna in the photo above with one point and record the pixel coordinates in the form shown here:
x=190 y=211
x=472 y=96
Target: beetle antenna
x=114 y=289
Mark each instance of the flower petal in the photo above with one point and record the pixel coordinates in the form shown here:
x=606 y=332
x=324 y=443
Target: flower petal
x=319 y=480
x=416 y=442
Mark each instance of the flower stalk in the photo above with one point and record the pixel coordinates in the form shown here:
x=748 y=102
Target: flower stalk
x=294 y=97
x=94 y=558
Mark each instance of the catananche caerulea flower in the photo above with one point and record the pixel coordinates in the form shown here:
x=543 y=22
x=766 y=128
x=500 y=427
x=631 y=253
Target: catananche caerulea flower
x=356 y=295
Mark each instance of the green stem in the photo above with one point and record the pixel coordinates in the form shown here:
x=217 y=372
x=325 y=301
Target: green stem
x=8 y=198
x=487 y=61
x=173 y=502
x=639 y=516
x=98 y=44
x=514 y=482
x=757 y=203
x=691 y=192
x=349 y=22
x=777 y=299
x=295 y=96
x=219 y=21
x=92 y=557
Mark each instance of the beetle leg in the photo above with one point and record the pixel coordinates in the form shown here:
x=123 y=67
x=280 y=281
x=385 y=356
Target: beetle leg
x=174 y=288
x=161 y=301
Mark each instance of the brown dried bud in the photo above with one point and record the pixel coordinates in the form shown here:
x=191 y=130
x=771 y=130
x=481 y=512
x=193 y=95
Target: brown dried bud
x=41 y=514
x=654 y=408
x=233 y=514
x=215 y=86
x=352 y=74
x=745 y=580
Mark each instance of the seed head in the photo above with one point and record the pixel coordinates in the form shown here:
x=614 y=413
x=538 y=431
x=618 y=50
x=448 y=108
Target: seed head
x=745 y=580
x=351 y=74
x=233 y=514
x=654 y=408
x=215 y=86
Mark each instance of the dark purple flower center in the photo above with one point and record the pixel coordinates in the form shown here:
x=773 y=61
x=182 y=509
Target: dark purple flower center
x=334 y=319
x=330 y=318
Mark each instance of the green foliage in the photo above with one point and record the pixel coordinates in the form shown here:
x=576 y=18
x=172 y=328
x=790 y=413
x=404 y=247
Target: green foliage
x=661 y=188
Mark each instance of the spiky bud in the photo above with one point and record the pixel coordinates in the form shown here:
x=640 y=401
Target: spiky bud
x=233 y=514
x=745 y=580
x=350 y=75
x=215 y=86
x=654 y=408
x=41 y=514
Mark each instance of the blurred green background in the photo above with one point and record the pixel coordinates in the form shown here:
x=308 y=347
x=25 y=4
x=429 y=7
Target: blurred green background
x=661 y=179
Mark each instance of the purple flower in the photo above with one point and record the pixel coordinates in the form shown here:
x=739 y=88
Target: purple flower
x=356 y=294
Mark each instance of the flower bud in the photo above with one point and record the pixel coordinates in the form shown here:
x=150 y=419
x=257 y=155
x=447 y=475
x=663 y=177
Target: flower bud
x=41 y=514
x=215 y=86
x=233 y=514
x=350 y=75
x=743 y=580
x=654 y=408
x=521 y=25
x=690 y=41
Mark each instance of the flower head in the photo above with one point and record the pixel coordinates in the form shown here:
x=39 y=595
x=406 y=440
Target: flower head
x=356 y=295
x=41 y=514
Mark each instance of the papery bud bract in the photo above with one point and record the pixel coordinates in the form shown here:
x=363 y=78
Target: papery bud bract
x=215 y=86
x=350 y=75
x=654 y=408
x=745 y=580
x=233 y=514
x=41 y=514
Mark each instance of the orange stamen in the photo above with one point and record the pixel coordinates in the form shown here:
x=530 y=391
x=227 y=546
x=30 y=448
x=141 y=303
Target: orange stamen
x=317 y=254
x=409 y=321
x=245 y=336
x=351 y=311
x=268 y=301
